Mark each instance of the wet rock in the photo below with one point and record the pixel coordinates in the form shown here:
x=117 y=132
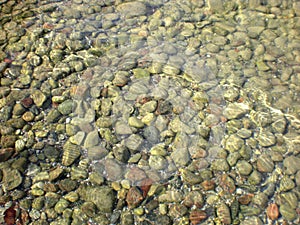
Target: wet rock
x=243 y=167
x=291 y=164
x=134 y=197
x=272 y=211
x=66 y=107
x=286 y=184
x=6 y=153
x=289 y=198
x=61 y=205
x=12 y=178
x=220 y=165
x=234 y=143
x=132 y=9
x=113 y=170
x=92 y=139
x=252 y=220
x=122 y=128
x=135 y=122
x=102 y=196
x=266 y=139
x=96 y=152
x=70 y=153
x=260 y=199
x=67 y=185
x=134 y=142
x=287 y=212
x=53 y=116
x=180 y=156
x=216 y=6
x=265 y=164
x=151 y=134
x=170 y=196
x=236 y=110
x=193 y=198
x=8 y=141
x=38 y=98
x=223 y=213
x=177 y=211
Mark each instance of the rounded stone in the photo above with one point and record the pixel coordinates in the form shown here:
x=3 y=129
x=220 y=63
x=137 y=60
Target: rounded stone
x=243 y=167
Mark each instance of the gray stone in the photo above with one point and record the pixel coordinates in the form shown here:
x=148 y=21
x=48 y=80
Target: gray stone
x=134 y=142
x=92 y=139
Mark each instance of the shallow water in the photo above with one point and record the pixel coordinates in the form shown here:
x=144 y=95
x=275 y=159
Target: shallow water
x=150 y=112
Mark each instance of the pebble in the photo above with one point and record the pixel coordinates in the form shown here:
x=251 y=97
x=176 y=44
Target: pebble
x=132 y=9
x=11 y=179
x=265 y=164
x=38 y=98
x=287 y=212
x=243 y=167
x=102 y=196
x=235 y=110
x=291 y=164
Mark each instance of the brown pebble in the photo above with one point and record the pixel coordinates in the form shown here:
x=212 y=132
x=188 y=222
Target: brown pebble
x=273 y=211
x=27 y=102
x=197 y=216
x=134 y=197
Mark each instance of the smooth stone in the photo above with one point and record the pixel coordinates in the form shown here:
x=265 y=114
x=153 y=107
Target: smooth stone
x=220 y=165
x=287 y=212
x=265 y=164
x=38 y=98
x=151 y=134
x=260 y=199
x=132 y=9
x=216 y=6
x=157 y=162
x=243 y=167
x=122 y=128
x=96 y=152
x=235 y=110
x=180 y=156
x=266 y=139
x=135 y=122
x=286 y=184
x=291 y=164
x=134 y=142
x=53 y=116
x=92 y=139
x=234 y=143
x=66 y=107
x=78 y=138
x=255 y=178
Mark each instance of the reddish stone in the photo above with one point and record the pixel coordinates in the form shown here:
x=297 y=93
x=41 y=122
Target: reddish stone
x=27 y=102
x=272 y=211
x=197 y=216
x=134 y=197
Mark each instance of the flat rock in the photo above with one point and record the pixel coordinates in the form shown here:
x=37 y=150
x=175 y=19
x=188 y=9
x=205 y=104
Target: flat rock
x=102 y=196
x=132 y=9
x=236 y=110
x=12 y=178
